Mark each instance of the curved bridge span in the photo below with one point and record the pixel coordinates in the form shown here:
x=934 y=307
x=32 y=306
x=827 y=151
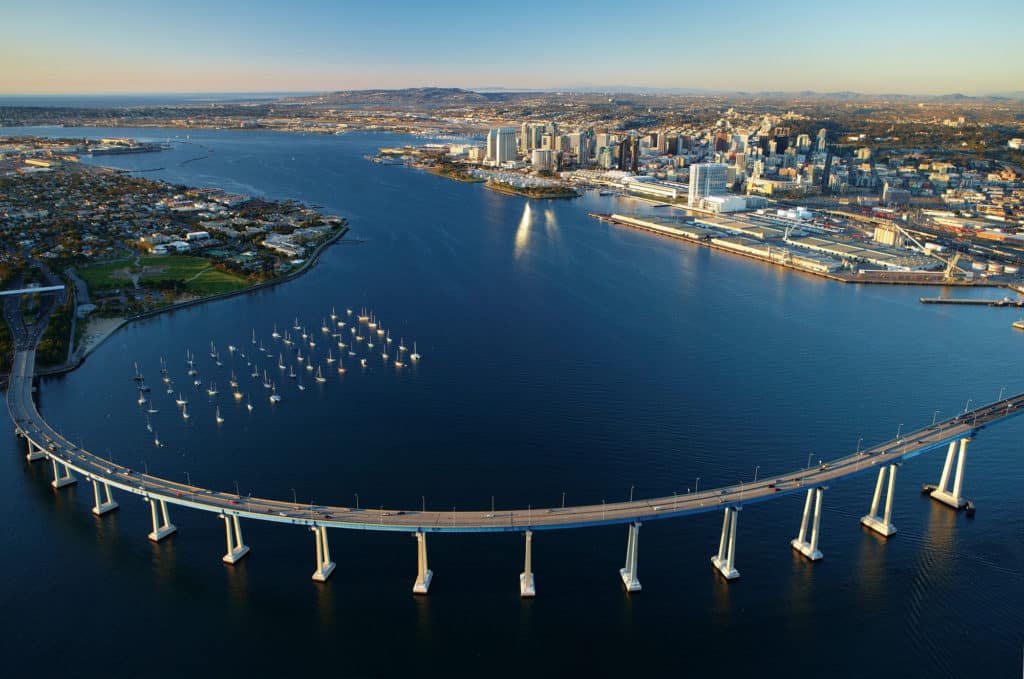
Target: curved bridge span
x=44 y=442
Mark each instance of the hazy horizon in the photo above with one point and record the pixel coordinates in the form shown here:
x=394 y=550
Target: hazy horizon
x=117 y=47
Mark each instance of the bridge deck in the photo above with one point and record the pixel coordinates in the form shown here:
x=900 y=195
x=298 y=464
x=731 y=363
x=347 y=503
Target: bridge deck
x=32 y=425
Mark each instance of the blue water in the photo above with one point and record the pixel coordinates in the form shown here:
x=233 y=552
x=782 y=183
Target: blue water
x=560 y=354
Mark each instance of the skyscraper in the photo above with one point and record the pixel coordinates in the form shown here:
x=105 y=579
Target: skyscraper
x=501 y=145
x=822 y=135
x=706 y=179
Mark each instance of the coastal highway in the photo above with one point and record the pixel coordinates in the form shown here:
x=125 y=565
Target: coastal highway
x=43 y=436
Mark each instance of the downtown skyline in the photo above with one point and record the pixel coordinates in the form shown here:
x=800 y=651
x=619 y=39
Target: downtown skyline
x=117 y=47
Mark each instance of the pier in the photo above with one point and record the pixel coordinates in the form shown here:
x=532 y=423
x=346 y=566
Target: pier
x=1004 y=302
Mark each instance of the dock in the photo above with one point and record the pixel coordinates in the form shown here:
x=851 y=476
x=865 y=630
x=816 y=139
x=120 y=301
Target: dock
x=1004 y=302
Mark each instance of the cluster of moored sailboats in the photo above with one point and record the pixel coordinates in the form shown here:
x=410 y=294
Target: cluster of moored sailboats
x=361 y=337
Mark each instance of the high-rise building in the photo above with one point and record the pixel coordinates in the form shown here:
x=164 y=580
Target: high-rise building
x=707 y=179
x=501 y=145
x=606 y=157
x=822 y=136
x=803 y=143
x=542 y=160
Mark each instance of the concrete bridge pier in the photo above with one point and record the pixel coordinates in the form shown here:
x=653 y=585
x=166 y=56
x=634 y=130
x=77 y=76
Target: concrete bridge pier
x=628 y=572
x=162 y=526
x=725 y=560
x=236 y=548
x=952 y=498
x=800 y=543
x=102 y=506
x=34 y=452
x=526 y=586
x=324 y=565
x=423 y=574
x=61 y=479
x=882 y=526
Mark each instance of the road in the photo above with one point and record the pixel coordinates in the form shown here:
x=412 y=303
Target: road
x=31 y=424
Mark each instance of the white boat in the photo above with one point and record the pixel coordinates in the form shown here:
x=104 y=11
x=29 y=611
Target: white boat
x=296 y=326
x=384 y=354
x=280 y=362
x=302 y=387
x=359 y=338
x=167 y=380
x=266 y=382
x=248 y=405
x=341 y=324
x=363 y=317
x=212 y=389
x=380 y=332
x=369 y=345
x=398 y=359
x=311 y=343
x=401 y=344
x=163 y=366
x=330 y=357
x=218 y=417
x=341 y=367
x=334 y=316
x=152 y=411
x=348 y=312
x=180 y=400
x=323 y=326
x=170 y=390
x=275 y=334
x=319 y=375
x=149 y=427
x=138 y=375
x=341 y=345
x=184 y=413
x=263 y=349
x=299 y=358
x=238 y=395
x=388 y=338
x=234 y=381
x=309 y=367
x=254 y=335
x=213 y=350
x=304 y=334
x=156 y=440
x=231 y=349
x=197 y=383
x=362 y=362
x=287 y=339
x=351 y=353
x=274 y=396
x=255 y=372
x=415 y=354
x=291 y=372
x=142 y=398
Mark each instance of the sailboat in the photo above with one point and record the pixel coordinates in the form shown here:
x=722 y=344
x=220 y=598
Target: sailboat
x=231 y=349
x=156 y=439
x=275 y=334
x=330 y=357
x=320 y=376
x=274 y=396
x=369 y=345
x=142 y=398
x=384 y=354
x=218 y=417
x=181 y=401
x=373 y=322
x=341 y=345
x=280 y=361
x=296 y=326
x=415 y=355
x=323 y=326
x=184 y=413
x=401 y=344
x=309 y=366
x=362 y=362
x=363 y=318
x=266 y=382
x=237 y=394
x=291 y=372
x=304 y=333
x=255 y=372
x=334 y=316
x=212 y=389
x=341 y=324
x=248 y=404
x=311 y=342
x=287 y=339
x=166 y=379
x=348 y=312
x=341 y=367
x=234 y=381
x=152 y=410
x=138 y=375
x=163 y=366
x=254 y=335
x=302 y=387
x=213 y=350
x=398 y=359
x=170 y=389
x=149 y=427
x=191 y=363
x=198 y=382
x=299 y=358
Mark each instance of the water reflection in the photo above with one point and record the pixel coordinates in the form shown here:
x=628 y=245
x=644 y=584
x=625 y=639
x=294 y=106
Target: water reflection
x=523 y=231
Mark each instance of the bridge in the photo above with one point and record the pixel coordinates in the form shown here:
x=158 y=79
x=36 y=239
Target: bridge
x=67 y=459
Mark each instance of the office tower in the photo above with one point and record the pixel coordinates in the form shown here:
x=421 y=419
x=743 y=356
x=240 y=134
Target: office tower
x=501 y=145
x=822 y=134
x=707 y=179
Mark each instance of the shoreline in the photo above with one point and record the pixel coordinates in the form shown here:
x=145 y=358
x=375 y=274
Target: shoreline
x=106 y=333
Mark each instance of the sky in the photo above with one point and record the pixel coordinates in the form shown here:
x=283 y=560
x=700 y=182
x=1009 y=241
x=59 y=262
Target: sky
x=871 y=46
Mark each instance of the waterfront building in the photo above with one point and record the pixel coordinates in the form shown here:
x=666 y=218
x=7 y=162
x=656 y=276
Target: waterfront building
x=606 y=157
x=542 y=159
x=501 y=145
x=822 y=136
x=707 y=179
